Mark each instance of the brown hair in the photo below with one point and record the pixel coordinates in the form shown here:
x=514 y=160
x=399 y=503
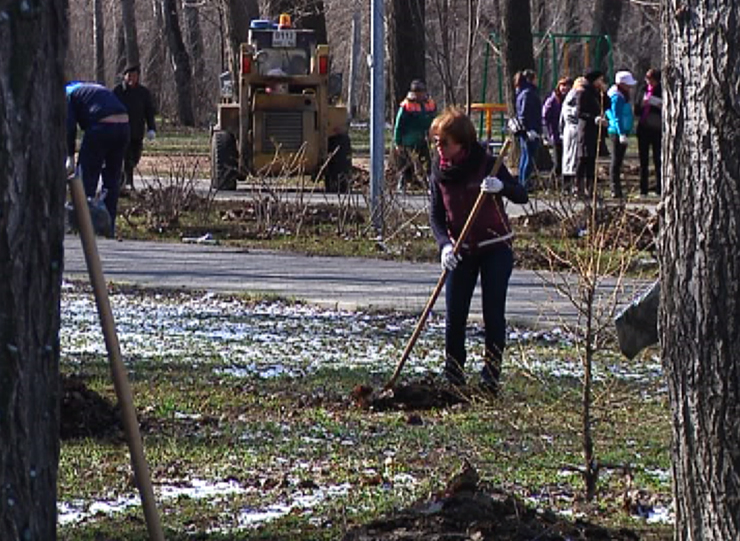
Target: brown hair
x=654 y=74
x=455 y=124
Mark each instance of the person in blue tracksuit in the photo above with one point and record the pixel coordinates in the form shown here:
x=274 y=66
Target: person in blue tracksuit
x=528 y=110
x=104 y=120
x=620 y=120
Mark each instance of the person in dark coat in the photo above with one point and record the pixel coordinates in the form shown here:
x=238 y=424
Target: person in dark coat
x=551 y=120
x=461 y=169
x=648 y=114
x=138 y=102
x=591 y=123
x=529 y=112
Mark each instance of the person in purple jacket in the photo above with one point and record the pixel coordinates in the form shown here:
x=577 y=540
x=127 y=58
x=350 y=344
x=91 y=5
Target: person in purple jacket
x=104 y=119
x=529 y=112
x=551 y=120
x=461 y=169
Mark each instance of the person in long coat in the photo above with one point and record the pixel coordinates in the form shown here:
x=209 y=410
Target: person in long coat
x=569 y=130
x=592 y=123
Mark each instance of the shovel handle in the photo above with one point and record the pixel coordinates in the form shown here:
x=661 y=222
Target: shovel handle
x=443 y=277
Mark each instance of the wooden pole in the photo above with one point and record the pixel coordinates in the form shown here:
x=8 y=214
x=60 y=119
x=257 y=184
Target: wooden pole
x=118 y=370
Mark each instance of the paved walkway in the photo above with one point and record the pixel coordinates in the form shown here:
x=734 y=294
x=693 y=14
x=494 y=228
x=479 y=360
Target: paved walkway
x=346 y=283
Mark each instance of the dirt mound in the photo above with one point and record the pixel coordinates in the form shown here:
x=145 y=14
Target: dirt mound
x=414 y=396
x=482 y=515
x=86 y=414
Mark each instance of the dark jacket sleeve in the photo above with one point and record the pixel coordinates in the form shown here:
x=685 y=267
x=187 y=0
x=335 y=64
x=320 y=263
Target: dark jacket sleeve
x=71 y=128
x=513 y=190
x=437 y=215
x=149 y=111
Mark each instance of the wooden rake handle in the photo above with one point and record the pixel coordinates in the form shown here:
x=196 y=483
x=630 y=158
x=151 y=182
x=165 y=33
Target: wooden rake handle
x=443 y=277
x=118 y=370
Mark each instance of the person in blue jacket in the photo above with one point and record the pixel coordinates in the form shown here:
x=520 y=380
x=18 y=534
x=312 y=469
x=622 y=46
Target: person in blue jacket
x=104 y=120
x=620 y=119
x=529 y=111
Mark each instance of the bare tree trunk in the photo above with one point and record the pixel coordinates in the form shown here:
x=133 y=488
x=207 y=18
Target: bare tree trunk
x=237 y=16
x=607 y=16
x=518 y=53
x=180 y=64
x=32 y=195
x=407 y=44
x=354 y=63
x=99 y=41
x=469 y=56
x=120 y=48
x=128 y=15
x=155 y=62
x=195 y=47
x=699 y=263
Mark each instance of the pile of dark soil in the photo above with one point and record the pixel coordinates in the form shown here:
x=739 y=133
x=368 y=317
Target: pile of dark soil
x=413 y=396
x=86 y=414
x=483 y=515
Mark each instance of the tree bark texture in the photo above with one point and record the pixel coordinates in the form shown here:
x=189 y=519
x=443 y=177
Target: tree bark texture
x=700 y=263
x=153 y=67
x=128 y=15
x=32 y=195
x=408 y=45
x=518 y=51
x=180 y=64
x=195 y=47
x=237 y=16
x=99 y=41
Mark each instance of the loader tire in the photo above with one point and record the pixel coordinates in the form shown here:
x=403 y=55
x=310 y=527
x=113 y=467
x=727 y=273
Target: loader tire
x=339 y=169
x=224 y=167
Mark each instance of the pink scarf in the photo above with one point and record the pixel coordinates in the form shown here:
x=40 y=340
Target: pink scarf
x=646 y=105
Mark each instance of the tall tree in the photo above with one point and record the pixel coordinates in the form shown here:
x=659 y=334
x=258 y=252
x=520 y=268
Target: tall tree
x=194 y=37
x=128 y=15
x=700 y=265
x=32 y=194
x=99 y=41
x=237 y=15
x=407 y=42
x=516 y=42
x=180 y=63
x=607 y=17
x=153 y=67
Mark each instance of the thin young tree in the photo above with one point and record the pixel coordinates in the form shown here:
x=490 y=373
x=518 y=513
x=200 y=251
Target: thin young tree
x=99 y=41
x=32 y=195
x=700 y=263
x=237 y=15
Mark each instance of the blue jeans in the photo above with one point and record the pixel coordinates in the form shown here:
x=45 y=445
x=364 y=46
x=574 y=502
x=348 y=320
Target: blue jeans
x=527 y=159
x=494 y=267
x=101 y=154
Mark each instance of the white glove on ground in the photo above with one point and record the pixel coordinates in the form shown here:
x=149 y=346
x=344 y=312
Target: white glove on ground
x=491 y=185
x=70 y=166
x=150 y=135
x=623 y=140
x=533 y=135
x=448 y=259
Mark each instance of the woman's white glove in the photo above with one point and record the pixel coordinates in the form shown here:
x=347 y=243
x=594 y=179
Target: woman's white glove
x=150 y=135
x=70 y=166
x=623 y=140
x=600 y=120
x=491 y=185
x=448 y=259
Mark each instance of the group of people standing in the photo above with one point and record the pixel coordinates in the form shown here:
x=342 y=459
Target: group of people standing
x=114 y=123
x=576 y=114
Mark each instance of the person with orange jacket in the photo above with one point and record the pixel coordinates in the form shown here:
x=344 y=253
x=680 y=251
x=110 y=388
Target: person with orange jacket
x=413 y=120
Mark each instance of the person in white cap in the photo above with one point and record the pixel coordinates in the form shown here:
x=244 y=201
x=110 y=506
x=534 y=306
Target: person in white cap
x=620 y=119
